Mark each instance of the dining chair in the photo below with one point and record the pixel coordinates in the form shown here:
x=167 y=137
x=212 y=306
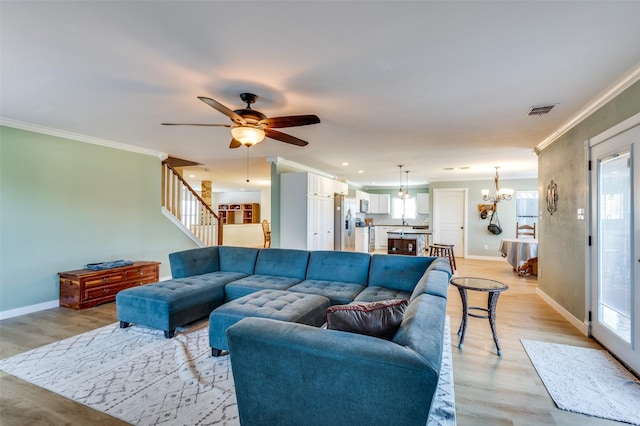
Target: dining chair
x=267 y=233
x=525 y=231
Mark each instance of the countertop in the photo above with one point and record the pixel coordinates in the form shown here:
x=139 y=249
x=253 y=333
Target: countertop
x=411 y=232
x=395 y=225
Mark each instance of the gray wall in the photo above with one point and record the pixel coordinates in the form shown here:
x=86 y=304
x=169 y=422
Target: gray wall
x=562 y=265
x=65 y=203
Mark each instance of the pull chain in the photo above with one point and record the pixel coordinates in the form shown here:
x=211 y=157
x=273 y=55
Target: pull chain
x=247 y=164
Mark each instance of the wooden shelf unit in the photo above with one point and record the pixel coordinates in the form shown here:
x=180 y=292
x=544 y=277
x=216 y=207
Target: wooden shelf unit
x=85 y=288
x=250 y=213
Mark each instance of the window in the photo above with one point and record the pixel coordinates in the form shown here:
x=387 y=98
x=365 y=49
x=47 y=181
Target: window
x=404 y=208
x=526 y=207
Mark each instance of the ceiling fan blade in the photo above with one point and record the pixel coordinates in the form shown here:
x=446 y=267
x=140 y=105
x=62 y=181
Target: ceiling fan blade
x=283 y=137
x=235 y=143
x=290 y=121
x=237 y=118
x=196 y=124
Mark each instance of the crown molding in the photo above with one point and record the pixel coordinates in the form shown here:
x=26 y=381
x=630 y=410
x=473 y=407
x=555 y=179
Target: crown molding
x=624 y=82
x=292 y=164
x=8 y=122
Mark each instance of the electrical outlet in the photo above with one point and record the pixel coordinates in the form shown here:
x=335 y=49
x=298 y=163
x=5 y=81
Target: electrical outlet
x=486 y=246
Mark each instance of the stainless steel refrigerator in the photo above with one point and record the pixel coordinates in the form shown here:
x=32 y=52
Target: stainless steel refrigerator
x=344 y=222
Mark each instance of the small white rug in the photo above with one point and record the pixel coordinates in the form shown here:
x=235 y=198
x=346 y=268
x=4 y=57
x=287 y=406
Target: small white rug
x=587 y=381
x=137 y=375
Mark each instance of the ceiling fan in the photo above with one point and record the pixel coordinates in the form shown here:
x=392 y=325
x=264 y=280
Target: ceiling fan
x=250 y=126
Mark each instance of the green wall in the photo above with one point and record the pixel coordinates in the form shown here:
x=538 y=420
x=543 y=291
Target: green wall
x=477 y=234
x=562 y=267
x=65 y=203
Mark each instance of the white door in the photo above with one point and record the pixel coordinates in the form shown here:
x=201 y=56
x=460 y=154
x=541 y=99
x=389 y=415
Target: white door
x=449 y=207
x=615 y=251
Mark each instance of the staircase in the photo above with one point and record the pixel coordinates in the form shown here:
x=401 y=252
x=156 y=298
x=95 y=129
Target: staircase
x=187 y=210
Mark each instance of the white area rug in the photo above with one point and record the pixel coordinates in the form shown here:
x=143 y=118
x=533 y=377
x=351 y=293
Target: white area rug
x=137 y=375
x=587 y=381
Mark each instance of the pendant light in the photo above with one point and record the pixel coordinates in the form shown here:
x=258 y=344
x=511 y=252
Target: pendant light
x=400 y=191
x=406 y=194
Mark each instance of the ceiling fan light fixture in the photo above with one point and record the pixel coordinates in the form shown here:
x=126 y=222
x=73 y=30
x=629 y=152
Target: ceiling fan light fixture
x=247 y=135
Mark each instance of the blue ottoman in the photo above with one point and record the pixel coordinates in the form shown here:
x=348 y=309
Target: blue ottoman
x=170 y=304
x=280 y=305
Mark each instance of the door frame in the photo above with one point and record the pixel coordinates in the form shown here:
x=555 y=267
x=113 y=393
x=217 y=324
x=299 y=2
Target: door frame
x=465 y=215
x=591 y=280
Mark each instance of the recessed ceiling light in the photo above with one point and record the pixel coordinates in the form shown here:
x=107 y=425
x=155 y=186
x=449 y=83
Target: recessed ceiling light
x=360 y=171
x=345 y=164
x=192 y=176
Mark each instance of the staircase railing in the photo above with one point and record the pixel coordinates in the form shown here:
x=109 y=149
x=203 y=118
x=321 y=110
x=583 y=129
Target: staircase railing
x=188 y=208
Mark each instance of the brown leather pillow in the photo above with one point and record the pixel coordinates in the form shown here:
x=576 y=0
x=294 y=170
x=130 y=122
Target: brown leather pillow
x=379 y=319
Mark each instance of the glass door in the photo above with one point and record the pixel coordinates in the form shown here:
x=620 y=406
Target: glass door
x=615 y=298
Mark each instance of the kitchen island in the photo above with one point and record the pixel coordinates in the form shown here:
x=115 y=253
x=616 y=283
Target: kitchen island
x=408 y=242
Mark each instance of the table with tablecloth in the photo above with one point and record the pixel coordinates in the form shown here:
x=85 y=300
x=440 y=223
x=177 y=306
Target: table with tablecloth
x=517 y=251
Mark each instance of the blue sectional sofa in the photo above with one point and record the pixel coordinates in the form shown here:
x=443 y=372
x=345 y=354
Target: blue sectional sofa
x=288 y=373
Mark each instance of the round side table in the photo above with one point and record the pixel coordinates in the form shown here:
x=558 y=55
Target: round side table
x=494 y=288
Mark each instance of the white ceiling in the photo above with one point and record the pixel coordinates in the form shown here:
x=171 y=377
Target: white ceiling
x=431 y=85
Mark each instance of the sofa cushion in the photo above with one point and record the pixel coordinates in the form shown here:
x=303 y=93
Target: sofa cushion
x=422 y=327
x=282 y=263
x=338 y=292
x=253 y=283
x=346 y=267
x=194 y=262
x=397 y=272
x=377 y=319
x=375 y=293
x=435 y=282
x=237 y=259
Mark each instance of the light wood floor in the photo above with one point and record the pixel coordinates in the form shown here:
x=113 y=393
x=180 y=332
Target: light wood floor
x=490 y=390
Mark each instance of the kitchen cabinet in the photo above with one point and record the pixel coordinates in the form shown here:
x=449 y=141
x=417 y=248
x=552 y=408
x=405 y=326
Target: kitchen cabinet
x=306 y=215
x=422 y=203
x=381 y=235
x=402 y=246
x=362 y=239
x=379 y=203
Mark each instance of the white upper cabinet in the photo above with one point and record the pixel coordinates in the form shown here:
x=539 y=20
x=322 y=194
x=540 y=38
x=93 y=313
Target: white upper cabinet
x=379 y=203
x=422 y=203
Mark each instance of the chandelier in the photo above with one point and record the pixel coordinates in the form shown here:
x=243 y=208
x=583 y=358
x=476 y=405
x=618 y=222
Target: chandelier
x=503 y=194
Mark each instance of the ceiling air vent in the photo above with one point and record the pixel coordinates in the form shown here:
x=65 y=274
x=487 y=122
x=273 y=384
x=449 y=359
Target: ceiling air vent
x=541 y=110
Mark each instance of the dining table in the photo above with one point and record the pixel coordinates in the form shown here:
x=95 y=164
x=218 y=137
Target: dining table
x=517 y=251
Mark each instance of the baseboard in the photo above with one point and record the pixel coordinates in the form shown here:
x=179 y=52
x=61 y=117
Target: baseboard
x=495 y=258
x=43 y=306
x=583 y=327
x=29 y=309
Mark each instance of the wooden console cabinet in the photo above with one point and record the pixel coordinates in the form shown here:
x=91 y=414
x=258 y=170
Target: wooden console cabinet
x=84 y=288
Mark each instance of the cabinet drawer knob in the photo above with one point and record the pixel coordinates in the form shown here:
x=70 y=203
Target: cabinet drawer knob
x=105 y=280
x=105 y=290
